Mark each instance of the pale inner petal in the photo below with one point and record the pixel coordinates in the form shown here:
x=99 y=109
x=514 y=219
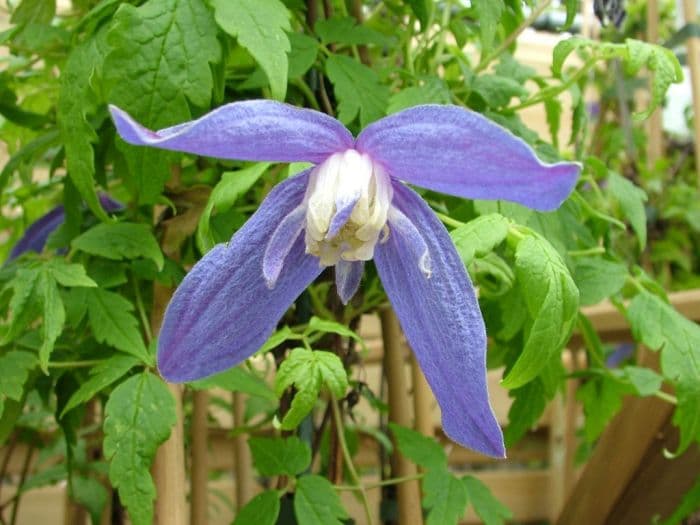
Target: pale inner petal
x=347 y=206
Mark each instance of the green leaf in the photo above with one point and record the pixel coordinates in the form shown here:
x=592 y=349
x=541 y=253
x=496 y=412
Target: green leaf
x=687 y=507
x=69 y=274
x=528 y=405
x=54 y=315
x=552 y=108
x=422 y=9
x=631 y=200
x=280 y=456
x=660 y=327
x=552 y=302
x=572 y=10
x=159 y=60
x=263 y=509
x=602 y=399
x=91 y=494
x=316 y=324
x=346 y=30
x=598 y=278
x=77 y=101
x=489 y=14
x=138 y=417
x=283 y=334
x=101 y=376
x=120 y=240
x=15 y=366
x=316 y=503
x=232 y=185
x=422 y=450
x=358 y=90
x=480 y=236
x=34 y=12
x=644 y=380
x=113 y=323
x=23 y=306
x=308 y=371
x=236 y=380
x=497 y=91
x=445 y=497
x=259 y=26
x=563 y=49
x=488 y=508
x=432 y=91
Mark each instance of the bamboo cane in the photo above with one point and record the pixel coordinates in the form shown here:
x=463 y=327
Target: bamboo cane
x=654 y=124
x=693 y=44
x=422 y=401
x=199 y=476
x=242 y=460
x=169 y=464
x=408 y=493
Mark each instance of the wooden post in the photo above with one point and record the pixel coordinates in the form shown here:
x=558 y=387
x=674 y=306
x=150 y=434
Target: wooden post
x=422 y=401
x=654 y=124
x=199 y=477
x=408 y=493
x=242 y=460
x=169 y=464
x=693 y=44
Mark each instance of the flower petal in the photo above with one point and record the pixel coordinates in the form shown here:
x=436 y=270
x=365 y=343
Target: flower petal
x=442 y=321
x=459 y=152
x=348 y=275
x=260 y=130
x=223 y=311
x=281 y=243
x=34 y=238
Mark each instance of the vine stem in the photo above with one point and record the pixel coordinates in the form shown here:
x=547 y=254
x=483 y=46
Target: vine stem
x=380 y=484
x=348 y=459
x=513 y=36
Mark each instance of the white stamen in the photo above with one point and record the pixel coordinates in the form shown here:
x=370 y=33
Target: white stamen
x=347 y=179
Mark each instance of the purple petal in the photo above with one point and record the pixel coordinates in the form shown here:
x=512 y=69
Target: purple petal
x=259 y=130
x=223 y=311
x=281 y=243
x=34 y=238
x=459 y=152
x=442 y=321
x=348 y=275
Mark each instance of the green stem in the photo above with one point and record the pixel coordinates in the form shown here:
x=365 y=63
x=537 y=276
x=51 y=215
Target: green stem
x=666 y=397
x=590 y=251
x=75 y=364
x=142 y=311
x=306 y=91
x=446 y=219
x=590 y=209
x=348 y=459
x=379 y=484
x=513 y=36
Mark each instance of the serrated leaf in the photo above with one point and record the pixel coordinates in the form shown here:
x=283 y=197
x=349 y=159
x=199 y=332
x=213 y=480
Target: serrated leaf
x=422 y=9
x=263 y=509
x=488 y=508
x=601 y=397
x=660 y=327
x=120 y=240
x=69 y=274
x=232 y=185
x=563 y=49
x=480 y=236
x=159 y=60
x=15 y=366
x=113 y=323
x=308 y=371
x=358 y=90
x=644 y=380
x=316 y=324
x=497 y=91
x=489 y=14
x=445 y=497
x=301 y=57
x=631 y=199
x=54 y=315
x=236 y=380
x=551 y=298
x=316 y=503
x=100 y=378
x=529 y=402
x=280 y=456
x=422 y=450
x=346 y=30
x=552 y=108
x=432 y=91
x=76 y=101
x=138 y=418
x=598 y=278
x=259 y=26
x=23 y=305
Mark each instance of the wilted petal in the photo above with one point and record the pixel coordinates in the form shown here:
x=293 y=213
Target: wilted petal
x=260 y=130
x=223 y=311
x=442 y=321
x=457 y=151
x=348 y=275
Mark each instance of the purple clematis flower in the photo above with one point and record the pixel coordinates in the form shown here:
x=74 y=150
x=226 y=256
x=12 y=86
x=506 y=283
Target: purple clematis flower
x=349 y=208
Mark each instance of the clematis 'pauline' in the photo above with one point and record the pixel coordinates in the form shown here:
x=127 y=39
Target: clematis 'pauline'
x=349 y=208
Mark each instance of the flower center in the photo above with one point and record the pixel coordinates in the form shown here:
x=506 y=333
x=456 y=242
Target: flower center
x=347 y=202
